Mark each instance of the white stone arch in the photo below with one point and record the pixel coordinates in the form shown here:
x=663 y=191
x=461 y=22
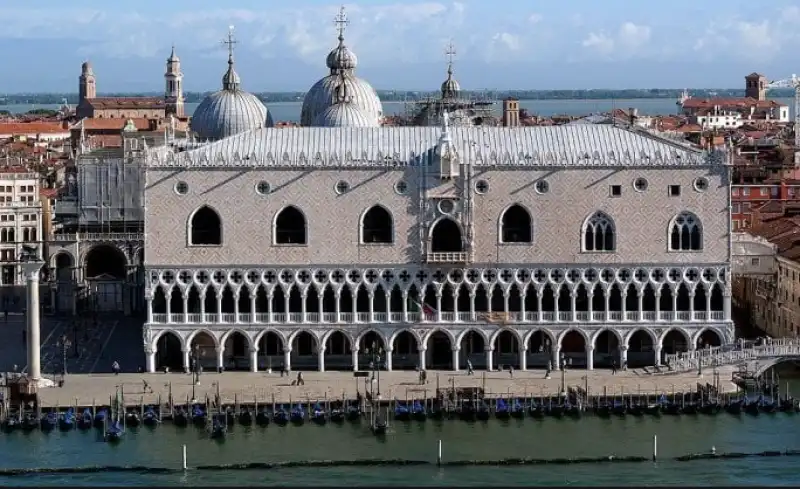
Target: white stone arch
x=460 y=336
x=500 y=223
x=386 y=344
x=687 y=336
x=553 y=337
x=162 y=331
x=587 y=340
x=697 y=223
x=361 y=223
x=436 y=222
x=87 y=251
x=197 y=331
x=655 y=339
x=227 y=334
x=493 y=337
x=54 y=258
x=191 y=218
x=413 y=333
x=611 y=224
x=260 y=334
x=446 y=331
x=723 y=337
x=620 y=339
x=275 y=223
x=293 y=335
x=323 y=340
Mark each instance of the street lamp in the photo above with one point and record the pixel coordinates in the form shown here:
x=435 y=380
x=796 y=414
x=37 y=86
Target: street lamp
x=64 y=343
x=564 y=363
x=376 y=353
x=196 y=355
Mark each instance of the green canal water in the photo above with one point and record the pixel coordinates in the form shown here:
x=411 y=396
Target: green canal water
x=495 y=439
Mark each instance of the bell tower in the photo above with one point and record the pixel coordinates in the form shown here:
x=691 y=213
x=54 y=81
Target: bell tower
x=173 y=89
x=87 y=88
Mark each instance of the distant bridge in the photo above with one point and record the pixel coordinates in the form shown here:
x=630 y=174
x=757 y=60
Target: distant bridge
x=758 y=358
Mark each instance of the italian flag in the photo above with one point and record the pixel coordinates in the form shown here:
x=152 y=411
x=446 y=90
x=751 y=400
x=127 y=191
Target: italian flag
x=415 y=306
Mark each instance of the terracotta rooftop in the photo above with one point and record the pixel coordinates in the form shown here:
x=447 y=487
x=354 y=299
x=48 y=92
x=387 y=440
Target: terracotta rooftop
x=48 y=193
x=730 y=103
x=23 y=128
x=112 y=123
x=126 y=103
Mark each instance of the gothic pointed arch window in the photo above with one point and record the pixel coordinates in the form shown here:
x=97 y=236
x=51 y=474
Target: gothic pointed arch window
x=205 y=227
x=290 y=227
x=685 y=233
x=377 y=226
x=599 y=233
x=516 y=225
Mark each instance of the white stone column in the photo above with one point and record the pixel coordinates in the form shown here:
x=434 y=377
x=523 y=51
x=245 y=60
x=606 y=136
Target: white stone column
x=321 y=359
x=607 y=315
x=675 y=305
x=556 y=311
x=339 y=306
x=691 y=306
x=726 y=305
x=31 y=271
x=590 y=305
x=270 y=318
x=220 y=357
x=523 y=294
x=489 y=358
x=186 y=353
x=573 y=299
x=657 y=353
x=355 y=359
x=472 y=314
x=354 y=302
x=168 y=305
x=556 y=353
x=236 y=306
x=640 y=295
x=539 y=306
x=149 y=303
x=389 y=360
x=186 y=306
x=303 y=308
x=523 y=358
x=589 y=357
x=405 y=306
x=287 y=359
x=456 y=357
x=422 y=352
x=150 y=359
x=372 y=306
x=439 y=307
x=389 y=306
x=708 y=303
x=623 y=356
x=253 y=312
x=254 y=359
x=624 y=304
x=658 y=305
x=203 y=305
x=218 y=294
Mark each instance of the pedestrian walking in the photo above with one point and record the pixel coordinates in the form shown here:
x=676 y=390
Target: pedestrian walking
x=115 y=367
x=300 y=380
x=146 y=387
x=549 y=369
x=613 y=367
x=470 y=370
x=511 y=371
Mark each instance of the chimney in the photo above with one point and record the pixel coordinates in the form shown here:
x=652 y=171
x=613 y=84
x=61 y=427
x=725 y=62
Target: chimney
x=510 y=112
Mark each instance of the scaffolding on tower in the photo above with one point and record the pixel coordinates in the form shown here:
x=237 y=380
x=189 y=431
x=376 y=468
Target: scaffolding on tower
x=793 y=83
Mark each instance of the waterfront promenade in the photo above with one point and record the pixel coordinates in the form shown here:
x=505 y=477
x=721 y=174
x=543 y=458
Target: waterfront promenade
x=247 y=387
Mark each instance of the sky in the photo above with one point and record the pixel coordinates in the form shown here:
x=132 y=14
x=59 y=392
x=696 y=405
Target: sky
x=500 y=44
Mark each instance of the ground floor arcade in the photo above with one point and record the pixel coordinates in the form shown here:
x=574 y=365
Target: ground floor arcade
x=256 y=348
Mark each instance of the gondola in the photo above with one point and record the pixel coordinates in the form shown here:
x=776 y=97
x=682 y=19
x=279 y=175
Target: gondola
x=49 y=421
x=263 y=416
x=672 y=408
x=297 y=415
x=198 y=415
x=636 y=409
x=85 y=420
x=536 y=410
x=10 y=425
x=245 y=417
x=30 y=422
x=379 y=426
x=401 y=412
x=181 y=417
x=752 y=407
x=690 y=408
x=572 y=410
x=502 y=410
x=132 y=419
x=436 y=412
x=768 y=406
x=100 y=418
x=788 y=406
x=710 y=408
x=418 y=411
x=467 y=411
x=517 y=409
x=66 y=420
x=619 y=408
x=281 y=416
x=338 y=415
x=318 y=414
x=150 y=417
x=484 y=411
x=219 y=426
x=735 y=407
x=353 y=412
x=603 y=410
x=555 y=410
x=653 y=409
x=115 y=431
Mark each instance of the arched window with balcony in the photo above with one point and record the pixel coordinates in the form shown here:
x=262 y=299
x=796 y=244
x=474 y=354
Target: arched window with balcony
x=685 y=233
x=599 y=233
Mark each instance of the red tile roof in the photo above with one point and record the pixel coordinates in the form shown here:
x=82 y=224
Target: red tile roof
x=48 y=193
x=126 y=103
x=23 y=128
x=112 y=123
x=729 y=102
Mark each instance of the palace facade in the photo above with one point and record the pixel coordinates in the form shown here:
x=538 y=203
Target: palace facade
x=308 y=247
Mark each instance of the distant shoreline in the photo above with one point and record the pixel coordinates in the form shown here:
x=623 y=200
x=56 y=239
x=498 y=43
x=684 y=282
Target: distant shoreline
x=404 y=96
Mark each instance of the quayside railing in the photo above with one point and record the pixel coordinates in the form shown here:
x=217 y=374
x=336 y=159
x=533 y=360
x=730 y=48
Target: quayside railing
x=732 y=354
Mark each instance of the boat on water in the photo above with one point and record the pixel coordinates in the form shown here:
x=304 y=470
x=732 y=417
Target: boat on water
x=85 y=420
x=180 y=417
x=150 y=417
x=572 y=410
x=789 y=405
x=517 y=409
x=380 y=426
x=711 y=407
x=263 y=416
x=100 y=418
x=735 y=406
x=230 y=416
x=401 y=412
x=690 y=408
x=30 y=422
x=219 y=426
x=536 y=410
x=338 y=414
x=767 y=405
x=66 y=420
x=198 y=415
x=353 y=412
x=318 y=414
x=502 y=410
x=418 y=411
x=246 y=417
x=49 y=421
x=281 y=416
x=297 y=415
x=11 y=424
x=115 y=431
x=132 y=419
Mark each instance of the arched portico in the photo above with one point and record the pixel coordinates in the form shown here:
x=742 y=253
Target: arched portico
x=408 y=351
x=572 y=348
x=305 y=351
x=540 y=344
x=440 y=351
x=708 y=337
x=105 y=268
x=338 y=350
x=606 y=348
x=238 y=351
x=640 y=347
x=472 y=347
x=166 y=351
x=505 y=349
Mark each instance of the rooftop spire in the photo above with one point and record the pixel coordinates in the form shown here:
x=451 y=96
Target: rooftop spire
x=450 y=52
x=341 y=21
x=231 y=79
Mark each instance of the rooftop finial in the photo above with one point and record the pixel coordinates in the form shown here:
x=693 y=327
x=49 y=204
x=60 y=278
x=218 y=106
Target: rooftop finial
x=450 y=52
x=341 y=22
x=230 y=41
x=231 y=80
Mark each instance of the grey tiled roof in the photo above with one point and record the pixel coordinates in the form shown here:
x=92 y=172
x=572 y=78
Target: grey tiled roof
x=578 y=145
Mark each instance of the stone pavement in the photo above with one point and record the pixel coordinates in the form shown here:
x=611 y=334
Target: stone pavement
x=84 y=389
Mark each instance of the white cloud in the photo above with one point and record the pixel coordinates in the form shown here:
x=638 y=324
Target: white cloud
x=535 y=18
x=599 y=42
x=629 y=40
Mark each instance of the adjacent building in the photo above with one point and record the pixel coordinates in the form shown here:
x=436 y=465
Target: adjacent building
x=20 y=221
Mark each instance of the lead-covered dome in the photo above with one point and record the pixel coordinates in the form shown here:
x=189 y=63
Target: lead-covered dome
x=229 y=111
x=343 y=112
x=342 y=62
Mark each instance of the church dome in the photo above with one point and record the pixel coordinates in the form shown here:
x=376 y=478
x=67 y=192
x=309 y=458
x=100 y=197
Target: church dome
x=229 y=111
x=343 y=112
x=450 y=87
x=341 y=58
